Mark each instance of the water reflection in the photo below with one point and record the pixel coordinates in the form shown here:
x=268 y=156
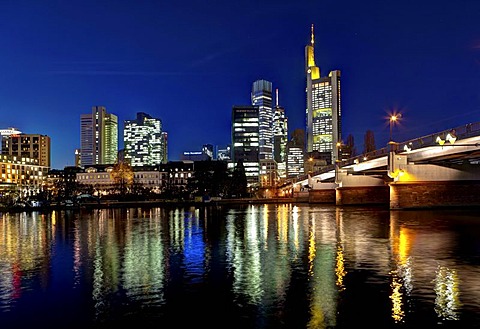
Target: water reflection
x=265 y=266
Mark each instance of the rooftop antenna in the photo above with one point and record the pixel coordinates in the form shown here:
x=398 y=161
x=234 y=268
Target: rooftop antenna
x=312 y=41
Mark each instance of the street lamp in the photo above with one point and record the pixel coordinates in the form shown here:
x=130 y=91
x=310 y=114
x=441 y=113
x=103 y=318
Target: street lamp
x=393 y=119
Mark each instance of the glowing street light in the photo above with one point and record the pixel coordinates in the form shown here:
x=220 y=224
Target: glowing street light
x=393 y=119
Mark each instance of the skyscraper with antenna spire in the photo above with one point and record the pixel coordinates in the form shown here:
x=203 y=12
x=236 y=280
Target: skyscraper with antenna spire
x=280 y=137
x=323 y=112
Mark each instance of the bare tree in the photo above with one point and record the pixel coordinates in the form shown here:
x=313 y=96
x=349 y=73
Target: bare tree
x=350 y=149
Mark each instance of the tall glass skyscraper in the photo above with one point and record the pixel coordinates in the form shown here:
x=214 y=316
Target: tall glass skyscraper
x=98 y=137
x=245 y=137
x=280 y=137
x=144 y=141
x=323 y=126
x=262 y=97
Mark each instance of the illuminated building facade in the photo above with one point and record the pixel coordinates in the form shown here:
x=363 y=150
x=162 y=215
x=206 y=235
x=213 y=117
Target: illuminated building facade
x=33 y=146
x=268 y=173
x=143 y=141
x=101 y=179
x=323 y=107
x=262 y=98
x=295 y=157
x=4 y=133
x=26 y=173
x=98 y=137
x=223 y=153
x=165 y=146
x=280 y=138
x=245 y=140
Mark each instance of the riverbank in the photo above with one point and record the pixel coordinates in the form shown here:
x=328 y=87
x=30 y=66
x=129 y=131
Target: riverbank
x=105 y=204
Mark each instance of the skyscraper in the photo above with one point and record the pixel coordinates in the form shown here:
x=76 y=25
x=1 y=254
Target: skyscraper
x=296 y=154
x=262 y=97
x=98 y=137
x=245 y=136
x=323 y=107
x=143 y=141
x=280 y=137
x=33 y=146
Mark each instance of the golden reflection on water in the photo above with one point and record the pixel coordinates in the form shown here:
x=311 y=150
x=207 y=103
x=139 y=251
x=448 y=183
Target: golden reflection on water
x=322 y=270
x=401 y=239
x=311 y=248
x=447 y=301
x=340 y=271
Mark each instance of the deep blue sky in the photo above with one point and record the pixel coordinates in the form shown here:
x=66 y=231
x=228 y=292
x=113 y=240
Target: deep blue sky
x=188 y=62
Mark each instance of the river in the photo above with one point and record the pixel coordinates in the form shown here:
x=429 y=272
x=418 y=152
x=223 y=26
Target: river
x=241 y=266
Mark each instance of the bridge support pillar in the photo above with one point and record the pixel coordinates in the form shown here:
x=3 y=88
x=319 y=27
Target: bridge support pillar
x=362 y=195
x=428 y=185
x=360 y=190
x=325 y=195
x=410 y=195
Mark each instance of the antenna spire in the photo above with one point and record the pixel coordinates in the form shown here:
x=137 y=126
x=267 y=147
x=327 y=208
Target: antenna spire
x=312 y=41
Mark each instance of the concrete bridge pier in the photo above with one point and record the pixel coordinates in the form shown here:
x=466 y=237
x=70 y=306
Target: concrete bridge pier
x=429 y=185
x=322 y=193
x=360 y=189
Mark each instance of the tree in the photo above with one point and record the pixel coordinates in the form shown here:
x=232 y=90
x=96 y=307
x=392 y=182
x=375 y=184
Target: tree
x=369 y=142
x=210 y=178
x=122 y=176
x=238 y=185
x=350 y=149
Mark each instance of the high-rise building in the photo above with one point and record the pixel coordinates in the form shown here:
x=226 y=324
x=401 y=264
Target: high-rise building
x=223 y=153
x=208 y=150
x=143 y=141
x=262 y=97
x=245 y=140
x=98 y=137
x=33 y=146
x=323 y=107
x=296 y=154
x=4 y=133
x=280 y=137
x=165 y=146
x=24 y=175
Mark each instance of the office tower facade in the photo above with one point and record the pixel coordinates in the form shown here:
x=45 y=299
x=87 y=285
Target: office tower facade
x=32 y=146
x=323 y=121
x=24 y=175
x=110 y=146
x=143 y=141
x=280 y=137
x=262 y=98
x=4 y=133
x=98 y=137
x=223 y=153
x=245 y=140
x=165 y=146
x=208 y=149
x=296 y=154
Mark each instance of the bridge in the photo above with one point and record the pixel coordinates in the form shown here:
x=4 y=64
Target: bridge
x=440 y=169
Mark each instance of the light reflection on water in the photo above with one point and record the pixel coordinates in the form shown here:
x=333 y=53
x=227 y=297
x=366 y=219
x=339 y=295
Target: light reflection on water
x=261 y=266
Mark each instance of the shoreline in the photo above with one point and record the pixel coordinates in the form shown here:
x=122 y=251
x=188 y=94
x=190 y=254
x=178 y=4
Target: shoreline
x=111 y=204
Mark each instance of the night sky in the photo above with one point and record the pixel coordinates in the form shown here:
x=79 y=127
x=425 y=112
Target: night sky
x=189 y=62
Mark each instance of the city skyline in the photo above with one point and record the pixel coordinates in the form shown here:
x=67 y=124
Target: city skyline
x=189 y=64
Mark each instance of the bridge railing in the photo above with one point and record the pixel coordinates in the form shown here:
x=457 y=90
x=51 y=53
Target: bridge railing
x=461 y=132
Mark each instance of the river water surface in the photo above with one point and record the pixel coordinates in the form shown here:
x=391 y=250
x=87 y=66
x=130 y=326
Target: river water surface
x=242 y=266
